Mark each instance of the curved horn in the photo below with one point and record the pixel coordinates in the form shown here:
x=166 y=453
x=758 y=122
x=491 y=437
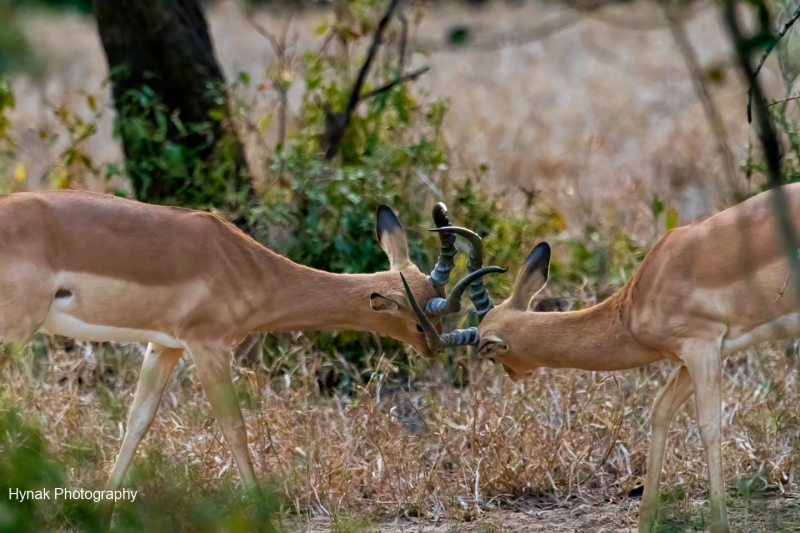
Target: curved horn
x=439 y=306
x=440 y=275
x=458 y=337
x=477 y=293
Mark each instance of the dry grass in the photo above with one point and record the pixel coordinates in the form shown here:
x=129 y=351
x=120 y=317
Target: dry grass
x=421 y=448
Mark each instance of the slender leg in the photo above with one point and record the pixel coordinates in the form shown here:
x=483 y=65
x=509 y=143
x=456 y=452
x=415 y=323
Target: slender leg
x=251 y=350
x=702 y=358
x=674 y=394
x=156 y=370
x=214 y=369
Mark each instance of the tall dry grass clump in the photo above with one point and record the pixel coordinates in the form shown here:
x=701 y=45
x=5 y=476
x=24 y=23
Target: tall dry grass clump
x=415 y=446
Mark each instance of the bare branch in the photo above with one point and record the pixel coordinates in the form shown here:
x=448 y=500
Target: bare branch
x=401 y=60
x=697 y=76
x=776 y=102
x=411 y=76
x=771 y=46
x=337 y=124
x=768 y=137
x=279 y=83
x=248 y=14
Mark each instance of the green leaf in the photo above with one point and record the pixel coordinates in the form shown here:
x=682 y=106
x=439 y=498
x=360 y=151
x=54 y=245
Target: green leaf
x=672 y=219
x=459 y=35
x=657 y=206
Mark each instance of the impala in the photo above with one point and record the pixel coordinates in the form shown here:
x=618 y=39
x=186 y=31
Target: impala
x=102 y=268
x=704 y=291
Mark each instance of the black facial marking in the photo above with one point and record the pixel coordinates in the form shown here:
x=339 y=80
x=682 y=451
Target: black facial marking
x=63 y=293
x=387 y=221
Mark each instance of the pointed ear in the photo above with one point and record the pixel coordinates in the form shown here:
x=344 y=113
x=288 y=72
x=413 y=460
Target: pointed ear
x=492 y=347
x=392 y=239
x=383 y=304
x=532 y=277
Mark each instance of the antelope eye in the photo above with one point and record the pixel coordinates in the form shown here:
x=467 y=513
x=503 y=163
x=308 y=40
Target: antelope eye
x=419 y=328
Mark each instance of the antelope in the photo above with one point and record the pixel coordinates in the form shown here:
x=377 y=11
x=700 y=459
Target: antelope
x=704 y=291
x=101 y=268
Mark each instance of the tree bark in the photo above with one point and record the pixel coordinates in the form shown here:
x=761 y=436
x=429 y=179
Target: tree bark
x=173 y=121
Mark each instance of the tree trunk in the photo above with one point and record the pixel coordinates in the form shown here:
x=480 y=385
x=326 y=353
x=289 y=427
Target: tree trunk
x=173 y=121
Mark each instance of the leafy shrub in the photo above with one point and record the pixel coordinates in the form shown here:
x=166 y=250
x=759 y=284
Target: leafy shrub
x=84 y=6
x=14 y=48
x=190 y=174
x=170 y=497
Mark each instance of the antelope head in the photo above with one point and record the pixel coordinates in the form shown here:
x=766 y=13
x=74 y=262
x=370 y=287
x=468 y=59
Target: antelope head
x=436 y=341
x=421 y=322
x=502 y=336
x=505 y=335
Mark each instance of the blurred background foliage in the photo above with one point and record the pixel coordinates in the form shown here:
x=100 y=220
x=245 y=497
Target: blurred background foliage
x=319 y=213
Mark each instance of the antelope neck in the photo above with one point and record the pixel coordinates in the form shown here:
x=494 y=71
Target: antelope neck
x=596 y=338
x=298 y=298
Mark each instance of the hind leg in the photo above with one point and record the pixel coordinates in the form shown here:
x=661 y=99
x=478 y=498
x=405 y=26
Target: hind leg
x=24 y=304
x=156 y=369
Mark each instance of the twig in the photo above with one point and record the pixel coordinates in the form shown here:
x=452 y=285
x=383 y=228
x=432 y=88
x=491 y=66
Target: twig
x=411 y=76
x=401 y=57
x=279 y=47
x=336 y=124
x=497 y=42
x=701 y=89
x=785 y=283
x=784 y=100
x=767 y=51
x=429 y=183
x=767 y=135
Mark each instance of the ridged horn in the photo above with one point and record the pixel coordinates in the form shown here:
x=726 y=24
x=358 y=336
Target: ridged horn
x=477 y=293
x=440 y=275
x=458 y=337
x=439 y=306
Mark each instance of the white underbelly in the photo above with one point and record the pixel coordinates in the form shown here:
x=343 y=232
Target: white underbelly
x=64 y=324
x=781 y=328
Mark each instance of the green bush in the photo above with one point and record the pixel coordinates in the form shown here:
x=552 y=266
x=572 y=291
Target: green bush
x=170 y=497
x=84 y=6
x=15 y=51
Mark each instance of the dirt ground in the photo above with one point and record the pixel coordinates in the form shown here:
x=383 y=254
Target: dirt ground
x=772 y=514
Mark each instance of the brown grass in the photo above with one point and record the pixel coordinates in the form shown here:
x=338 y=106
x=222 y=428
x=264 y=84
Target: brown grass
x=422 y=448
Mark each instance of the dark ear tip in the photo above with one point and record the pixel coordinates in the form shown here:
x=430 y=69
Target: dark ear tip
x=387 y=220
x=540 y=253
